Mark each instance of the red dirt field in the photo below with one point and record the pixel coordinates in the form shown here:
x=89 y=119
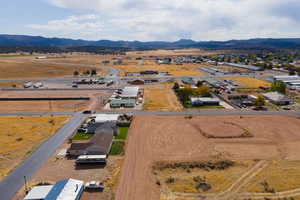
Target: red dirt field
x=175 y=138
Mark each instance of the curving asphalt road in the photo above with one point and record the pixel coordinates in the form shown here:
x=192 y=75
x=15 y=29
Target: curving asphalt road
x=13 y=183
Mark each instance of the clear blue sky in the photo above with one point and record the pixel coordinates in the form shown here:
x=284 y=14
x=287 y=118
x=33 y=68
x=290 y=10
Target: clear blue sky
x=152 y=19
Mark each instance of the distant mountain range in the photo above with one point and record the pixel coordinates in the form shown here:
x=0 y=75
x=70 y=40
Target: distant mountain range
x=24 y=40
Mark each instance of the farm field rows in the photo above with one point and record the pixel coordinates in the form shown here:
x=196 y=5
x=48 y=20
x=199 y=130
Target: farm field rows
x=20 y=136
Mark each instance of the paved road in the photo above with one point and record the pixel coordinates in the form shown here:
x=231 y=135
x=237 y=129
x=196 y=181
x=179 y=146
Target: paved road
x=208 y=112
x=14 y=182
x=193 y=112
x=57 y=89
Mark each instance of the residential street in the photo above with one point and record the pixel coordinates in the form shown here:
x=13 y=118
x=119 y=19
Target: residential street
x=13 y=182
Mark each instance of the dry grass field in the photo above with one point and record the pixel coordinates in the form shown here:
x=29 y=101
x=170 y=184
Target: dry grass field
x=20 y=136
x=184 y=179
x=175 y=70
x=161 y=97
x=249 y=82
x=28 y=67
x=176 y=139
x=11 y=84
x=281 y=175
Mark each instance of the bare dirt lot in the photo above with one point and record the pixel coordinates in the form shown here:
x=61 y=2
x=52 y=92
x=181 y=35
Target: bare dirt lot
x=19 y=136
x=176 y=139
x=161 y=97
x=95 y=102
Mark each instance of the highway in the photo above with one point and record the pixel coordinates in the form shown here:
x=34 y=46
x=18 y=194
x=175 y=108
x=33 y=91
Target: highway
x=14 y=182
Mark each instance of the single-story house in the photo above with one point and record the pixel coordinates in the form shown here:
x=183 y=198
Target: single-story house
x=277 y=98
x=70 y=189
x=201 y=101
x=100 y=144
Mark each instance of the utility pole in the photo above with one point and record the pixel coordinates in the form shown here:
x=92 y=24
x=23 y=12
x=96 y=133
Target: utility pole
x=26 y=189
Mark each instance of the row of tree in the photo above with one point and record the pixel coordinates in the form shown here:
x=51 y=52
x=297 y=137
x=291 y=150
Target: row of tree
x=92 y=72
x=184 y=94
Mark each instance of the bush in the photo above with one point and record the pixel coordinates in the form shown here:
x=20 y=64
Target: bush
x=170 y=180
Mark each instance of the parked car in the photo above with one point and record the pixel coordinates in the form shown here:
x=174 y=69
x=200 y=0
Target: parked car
x=87 y=112
x=94 y=185
x=82 y=130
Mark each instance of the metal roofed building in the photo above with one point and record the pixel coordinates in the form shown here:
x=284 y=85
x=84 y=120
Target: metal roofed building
x=68 y=189
x=38 y=192
x=277 y=98
x=130 y=92
x=250 y=67
x=101 y=118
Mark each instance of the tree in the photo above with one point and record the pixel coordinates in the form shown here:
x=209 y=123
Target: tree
x=176 y=86
x=185 y=94
x=93 y=72
x=75 y=73
x=87 y=72
x=260 y=101
x=278 y=86
x=202 y=91
x=292 y=73
x=199 y=83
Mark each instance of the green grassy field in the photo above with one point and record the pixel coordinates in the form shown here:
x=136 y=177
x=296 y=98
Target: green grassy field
x=117 y=148
x=123 y=132
x=82 y=136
